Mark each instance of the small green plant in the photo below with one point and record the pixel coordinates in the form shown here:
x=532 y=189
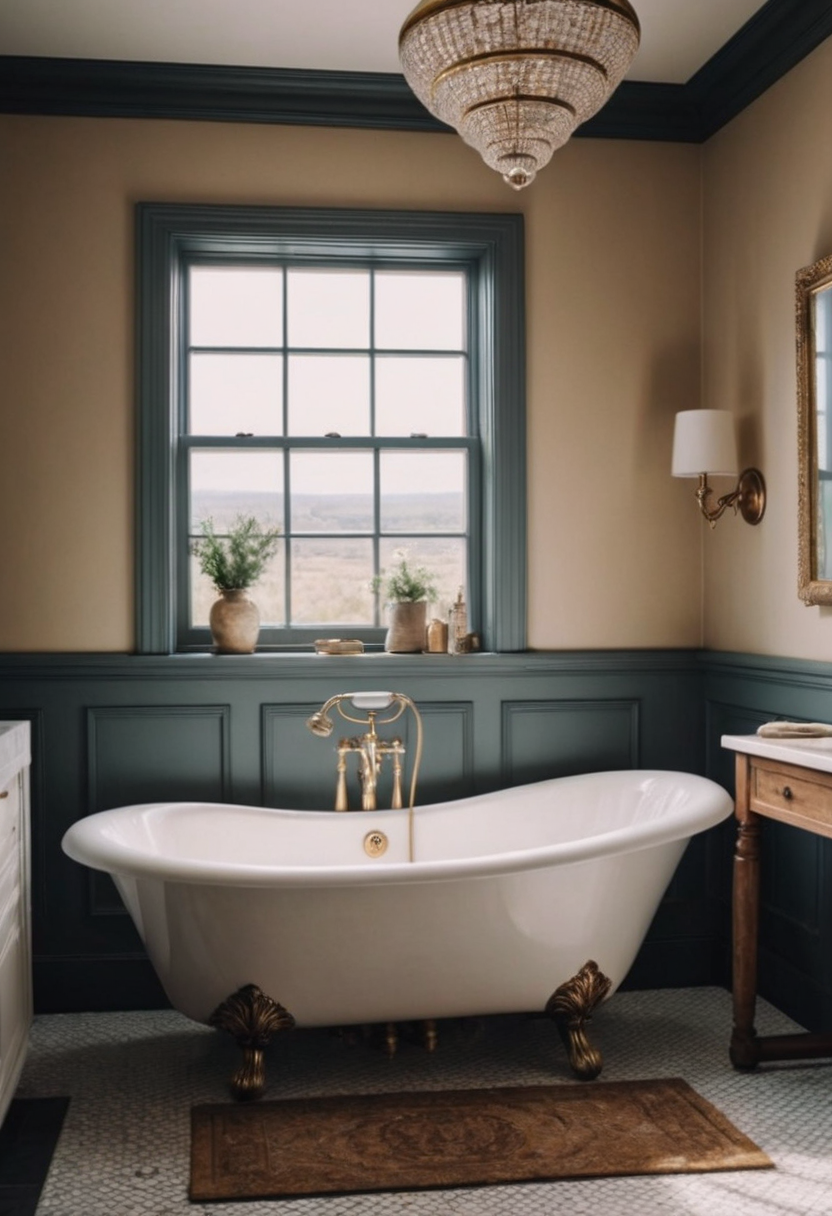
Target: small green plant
x=406 y=583
x=237 y=559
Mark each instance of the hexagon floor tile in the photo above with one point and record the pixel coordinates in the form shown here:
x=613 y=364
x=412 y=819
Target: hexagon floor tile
x=132 y=1077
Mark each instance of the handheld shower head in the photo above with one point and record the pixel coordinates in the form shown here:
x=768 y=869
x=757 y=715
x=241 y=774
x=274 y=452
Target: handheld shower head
x=320 y=724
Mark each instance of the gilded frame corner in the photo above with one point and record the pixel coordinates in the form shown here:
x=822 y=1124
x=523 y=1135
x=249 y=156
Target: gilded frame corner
x=808 y=283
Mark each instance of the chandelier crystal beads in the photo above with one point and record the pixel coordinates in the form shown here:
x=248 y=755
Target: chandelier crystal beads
x=516 y=77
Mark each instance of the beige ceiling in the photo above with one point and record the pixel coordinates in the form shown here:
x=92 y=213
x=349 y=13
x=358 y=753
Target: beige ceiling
x=678 y=36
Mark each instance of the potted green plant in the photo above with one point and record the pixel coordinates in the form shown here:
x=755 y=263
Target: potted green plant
x=234 y=562
x=408 y=589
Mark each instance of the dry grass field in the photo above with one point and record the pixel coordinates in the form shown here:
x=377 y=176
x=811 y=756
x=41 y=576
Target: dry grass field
x=330 y=565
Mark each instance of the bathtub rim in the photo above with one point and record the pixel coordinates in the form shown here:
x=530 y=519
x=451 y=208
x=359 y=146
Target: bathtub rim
x=84 y=843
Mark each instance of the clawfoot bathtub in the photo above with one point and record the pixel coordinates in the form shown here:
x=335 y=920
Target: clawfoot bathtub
x=529 y=899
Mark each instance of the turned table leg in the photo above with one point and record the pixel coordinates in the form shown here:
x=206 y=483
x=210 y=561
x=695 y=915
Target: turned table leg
x=744 y=1050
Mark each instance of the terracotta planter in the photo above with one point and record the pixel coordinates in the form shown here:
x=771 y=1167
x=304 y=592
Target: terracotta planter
x=235 y=623
x=406 y=632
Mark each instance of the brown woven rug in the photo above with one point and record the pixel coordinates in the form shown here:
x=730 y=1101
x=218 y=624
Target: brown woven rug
x=409 y=1141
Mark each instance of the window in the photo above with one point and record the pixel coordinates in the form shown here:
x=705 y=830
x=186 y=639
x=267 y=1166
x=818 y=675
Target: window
x=353 y=377
x=331 y=402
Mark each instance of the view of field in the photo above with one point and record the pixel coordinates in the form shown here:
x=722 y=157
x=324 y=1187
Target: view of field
x=331 y=568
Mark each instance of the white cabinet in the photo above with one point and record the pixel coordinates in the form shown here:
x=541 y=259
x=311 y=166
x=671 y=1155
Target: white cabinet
x=15 y=934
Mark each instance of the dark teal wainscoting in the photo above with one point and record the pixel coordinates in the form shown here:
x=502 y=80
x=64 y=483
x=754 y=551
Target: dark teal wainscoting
x=741 y=692
x=111 y=730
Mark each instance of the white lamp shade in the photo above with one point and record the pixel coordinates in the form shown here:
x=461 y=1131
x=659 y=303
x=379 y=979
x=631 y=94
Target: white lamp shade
x=704 y=441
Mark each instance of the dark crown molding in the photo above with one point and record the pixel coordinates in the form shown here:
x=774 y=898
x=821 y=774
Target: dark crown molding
x=125 y=89
x=776 y=38
x=772 y=42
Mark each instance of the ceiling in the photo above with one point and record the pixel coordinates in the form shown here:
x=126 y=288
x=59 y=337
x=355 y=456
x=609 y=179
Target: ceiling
x=678 y=36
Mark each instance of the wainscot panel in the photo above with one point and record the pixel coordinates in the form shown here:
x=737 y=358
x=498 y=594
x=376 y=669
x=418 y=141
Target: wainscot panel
x=795 y=964
x=558 y=738
x=119 y=729
x=148 y=754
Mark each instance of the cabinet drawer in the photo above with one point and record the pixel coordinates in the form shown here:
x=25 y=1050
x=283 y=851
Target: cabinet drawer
x=779 y=792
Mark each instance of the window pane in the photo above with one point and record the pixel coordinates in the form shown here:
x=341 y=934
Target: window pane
x=443 y=557
x=203 y=595
x=332 y=491
x=331 y=582
x=419 y=310
x=329 y=308
x=231 y=393
x=227 y=484
x=329 y=393
x=420 y=394
x=268 y=593
x=236 y=306
x=423 y=491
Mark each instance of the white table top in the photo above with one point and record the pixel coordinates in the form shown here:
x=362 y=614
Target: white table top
x=810 y=753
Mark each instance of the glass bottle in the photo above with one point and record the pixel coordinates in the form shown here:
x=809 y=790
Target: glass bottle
x=458 y=626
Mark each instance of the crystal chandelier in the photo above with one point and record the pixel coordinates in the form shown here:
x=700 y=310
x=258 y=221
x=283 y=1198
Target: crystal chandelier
x=516 y=77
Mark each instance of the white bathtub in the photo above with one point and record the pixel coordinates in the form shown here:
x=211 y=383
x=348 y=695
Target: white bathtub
x=509 y=894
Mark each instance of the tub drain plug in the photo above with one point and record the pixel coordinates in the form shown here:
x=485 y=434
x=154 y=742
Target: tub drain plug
x=375 y=843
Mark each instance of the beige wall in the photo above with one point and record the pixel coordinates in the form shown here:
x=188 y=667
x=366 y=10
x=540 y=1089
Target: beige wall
x=768 y=212
x=613 y=310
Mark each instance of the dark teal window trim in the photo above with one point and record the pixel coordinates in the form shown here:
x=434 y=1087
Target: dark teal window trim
x=490 y=245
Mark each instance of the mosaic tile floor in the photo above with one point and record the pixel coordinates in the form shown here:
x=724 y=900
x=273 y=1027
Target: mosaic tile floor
x=133 y=1077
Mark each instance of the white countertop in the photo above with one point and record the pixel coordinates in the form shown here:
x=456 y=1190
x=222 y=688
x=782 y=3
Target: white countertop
x=14 y=749
x=810 y=753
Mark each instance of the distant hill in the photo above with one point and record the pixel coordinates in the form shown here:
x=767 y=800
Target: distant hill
x=336 y=512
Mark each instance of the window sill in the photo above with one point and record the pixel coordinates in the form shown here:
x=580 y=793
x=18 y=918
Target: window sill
x=275 y=667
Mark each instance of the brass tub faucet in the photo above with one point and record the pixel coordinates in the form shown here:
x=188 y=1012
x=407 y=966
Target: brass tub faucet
x=370 y=748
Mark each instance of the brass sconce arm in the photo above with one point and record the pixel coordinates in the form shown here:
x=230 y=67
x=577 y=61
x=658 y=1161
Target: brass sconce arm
x=704 y=493
x=748 y=497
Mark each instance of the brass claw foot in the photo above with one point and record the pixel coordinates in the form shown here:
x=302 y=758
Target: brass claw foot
x=430 y=1034
x=391 y=1039
x=571 y=1006
x=252 y=1018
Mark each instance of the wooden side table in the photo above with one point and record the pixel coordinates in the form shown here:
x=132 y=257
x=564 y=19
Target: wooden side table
x=789 y=780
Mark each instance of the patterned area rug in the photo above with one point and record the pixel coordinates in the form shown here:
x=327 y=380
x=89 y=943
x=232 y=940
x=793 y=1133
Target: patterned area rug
x=477 y=1137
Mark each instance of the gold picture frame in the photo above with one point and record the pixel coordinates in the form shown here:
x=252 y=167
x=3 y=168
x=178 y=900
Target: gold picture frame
x=813 y=306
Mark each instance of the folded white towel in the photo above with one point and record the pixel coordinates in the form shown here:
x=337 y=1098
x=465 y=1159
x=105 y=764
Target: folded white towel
x=794 y=730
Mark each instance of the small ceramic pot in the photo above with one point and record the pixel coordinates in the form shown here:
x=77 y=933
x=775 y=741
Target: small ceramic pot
x=235 y=623
x=406 y=632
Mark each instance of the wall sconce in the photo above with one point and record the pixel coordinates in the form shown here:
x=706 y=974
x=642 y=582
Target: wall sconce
x=704 y=441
